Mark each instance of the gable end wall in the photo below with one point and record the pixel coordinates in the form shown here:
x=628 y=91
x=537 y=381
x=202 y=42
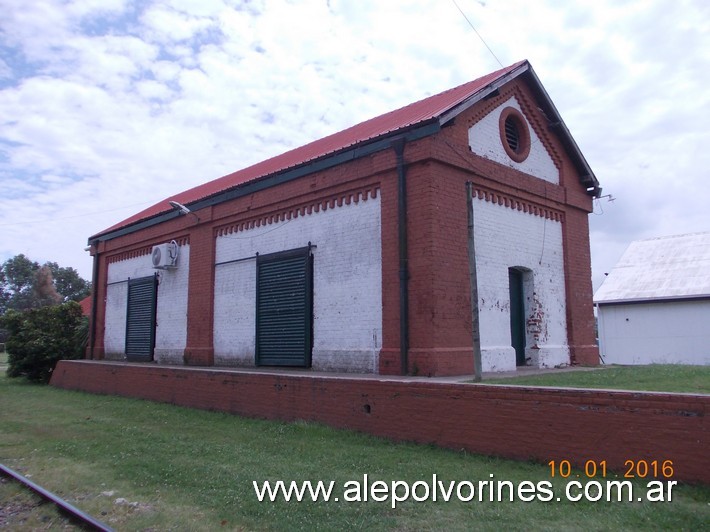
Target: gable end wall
x=440 y=311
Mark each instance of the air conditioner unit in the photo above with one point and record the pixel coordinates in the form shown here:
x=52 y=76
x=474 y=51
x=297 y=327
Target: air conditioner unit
x=165 y=256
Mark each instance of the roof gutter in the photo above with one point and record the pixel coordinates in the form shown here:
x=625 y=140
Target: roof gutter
x=424 y=129
x=660 y=299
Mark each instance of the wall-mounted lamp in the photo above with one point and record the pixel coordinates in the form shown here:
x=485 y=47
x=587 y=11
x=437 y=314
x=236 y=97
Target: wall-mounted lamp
x=182 y=209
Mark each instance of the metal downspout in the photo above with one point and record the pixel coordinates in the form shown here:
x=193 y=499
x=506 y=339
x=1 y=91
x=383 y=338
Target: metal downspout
x=398 y=146
x=94 y=299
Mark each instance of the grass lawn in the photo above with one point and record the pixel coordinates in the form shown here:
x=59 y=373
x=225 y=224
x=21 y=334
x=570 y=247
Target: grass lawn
x=655 y=377
x=138 y=465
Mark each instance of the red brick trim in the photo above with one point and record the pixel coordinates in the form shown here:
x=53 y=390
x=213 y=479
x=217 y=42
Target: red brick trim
x=132 y=254
x=142 y=251
x=521 y=153
x=345 y=198
x=531 y=113
x=517 y=204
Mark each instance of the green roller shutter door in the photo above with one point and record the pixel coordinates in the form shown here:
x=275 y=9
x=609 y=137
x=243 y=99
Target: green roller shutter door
x=284 y=309
x=140 y=321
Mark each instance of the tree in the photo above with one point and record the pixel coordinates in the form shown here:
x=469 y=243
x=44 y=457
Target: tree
x=69 y=283
x=17 y=277
x=44 y=291
x=41 y=337
x=23 y=284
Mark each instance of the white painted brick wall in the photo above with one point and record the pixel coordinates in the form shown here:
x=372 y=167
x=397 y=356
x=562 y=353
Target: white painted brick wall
x=484 y=140
x=171 y=311
x=171 y=317
x=234 y=312
x=507 y=238
x=115 y=329
x=347 y=291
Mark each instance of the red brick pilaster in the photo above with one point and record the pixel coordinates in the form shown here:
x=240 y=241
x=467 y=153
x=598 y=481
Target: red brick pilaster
x=199 y=350
x=578 y=287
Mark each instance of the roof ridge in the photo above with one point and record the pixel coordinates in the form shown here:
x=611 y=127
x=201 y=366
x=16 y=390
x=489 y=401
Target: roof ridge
x=666 y=237
x=476 y=81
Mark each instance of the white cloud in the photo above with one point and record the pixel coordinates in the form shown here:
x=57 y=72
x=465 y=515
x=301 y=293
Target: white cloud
x=165 y=25
x=85 y=8
x=109 y=106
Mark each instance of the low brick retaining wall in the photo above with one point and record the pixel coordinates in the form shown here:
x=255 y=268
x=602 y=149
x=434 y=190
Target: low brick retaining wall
x=524 y=423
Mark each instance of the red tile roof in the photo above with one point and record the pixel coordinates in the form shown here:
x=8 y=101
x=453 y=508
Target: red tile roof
x=86 y=306
x=405 y=117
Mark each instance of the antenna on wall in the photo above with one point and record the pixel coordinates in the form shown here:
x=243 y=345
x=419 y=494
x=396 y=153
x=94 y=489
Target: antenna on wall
x=598 y=203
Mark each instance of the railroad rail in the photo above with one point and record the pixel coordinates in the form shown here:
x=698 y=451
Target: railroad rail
x=73 y=512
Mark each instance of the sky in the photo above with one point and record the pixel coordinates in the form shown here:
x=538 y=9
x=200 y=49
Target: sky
x=109 y=106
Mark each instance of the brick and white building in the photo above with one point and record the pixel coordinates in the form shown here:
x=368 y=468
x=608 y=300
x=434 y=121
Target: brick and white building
x=351 y=253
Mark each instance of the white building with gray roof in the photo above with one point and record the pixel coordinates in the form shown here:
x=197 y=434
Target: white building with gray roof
x=654 y=306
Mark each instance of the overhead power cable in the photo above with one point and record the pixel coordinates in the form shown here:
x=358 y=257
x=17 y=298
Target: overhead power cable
x=479 y=35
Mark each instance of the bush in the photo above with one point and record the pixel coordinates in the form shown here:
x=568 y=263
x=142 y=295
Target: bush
x=81 y=334
x=41 y=337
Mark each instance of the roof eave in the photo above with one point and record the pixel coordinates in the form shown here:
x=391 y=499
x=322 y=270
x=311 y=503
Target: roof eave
x=587 y=175
x=660 y=299
x=417 y=131
x=479 y=95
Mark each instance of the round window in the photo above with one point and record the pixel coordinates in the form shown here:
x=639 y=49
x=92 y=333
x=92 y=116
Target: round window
x=514 y=134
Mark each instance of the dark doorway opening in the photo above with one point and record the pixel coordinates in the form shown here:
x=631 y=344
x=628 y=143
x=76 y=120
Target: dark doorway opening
x=517 y=314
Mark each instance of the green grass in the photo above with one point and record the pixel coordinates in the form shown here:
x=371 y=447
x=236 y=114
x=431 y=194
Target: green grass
x=655 y=377
x=185 y=469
